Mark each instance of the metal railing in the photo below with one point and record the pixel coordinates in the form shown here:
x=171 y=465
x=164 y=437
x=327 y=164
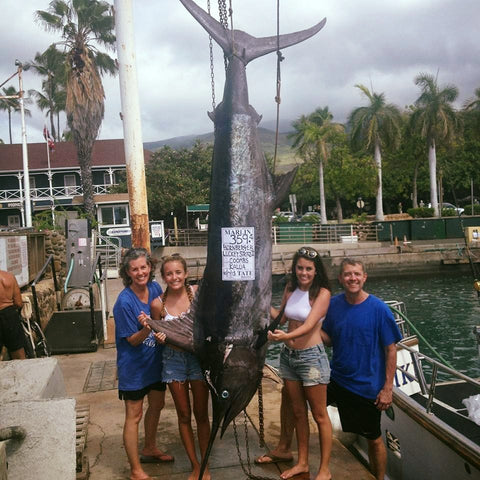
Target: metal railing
x=111 y=250
x=428 y=388
x=43 y=193
x=289 y=233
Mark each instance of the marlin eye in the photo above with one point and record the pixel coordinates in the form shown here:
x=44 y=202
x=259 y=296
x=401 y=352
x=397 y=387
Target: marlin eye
x=225 y=394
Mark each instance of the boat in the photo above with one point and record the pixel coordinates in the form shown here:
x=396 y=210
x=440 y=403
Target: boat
x=427 y=431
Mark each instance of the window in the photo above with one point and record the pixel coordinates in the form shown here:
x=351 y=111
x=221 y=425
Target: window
x=14 y=220
x=33 y=187
x=109 y=179
x=114 y=215
x=70 y=183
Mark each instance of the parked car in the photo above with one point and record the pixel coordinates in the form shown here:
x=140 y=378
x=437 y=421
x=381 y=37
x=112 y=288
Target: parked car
x=288 y=215
x=458 y=210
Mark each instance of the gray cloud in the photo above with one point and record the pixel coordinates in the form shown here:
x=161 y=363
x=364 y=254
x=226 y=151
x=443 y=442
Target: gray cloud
x=383 y=44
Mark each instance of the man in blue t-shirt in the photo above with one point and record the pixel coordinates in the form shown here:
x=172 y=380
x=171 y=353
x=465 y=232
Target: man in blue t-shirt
x=363 y=333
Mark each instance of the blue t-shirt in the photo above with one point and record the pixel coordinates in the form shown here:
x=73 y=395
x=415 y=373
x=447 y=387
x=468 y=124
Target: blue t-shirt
x=359 y=334
x=138 y=366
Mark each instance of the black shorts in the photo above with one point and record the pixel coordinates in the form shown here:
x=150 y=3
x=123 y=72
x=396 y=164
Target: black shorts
x=357 y=414
x=11 y=330
x=139 y=394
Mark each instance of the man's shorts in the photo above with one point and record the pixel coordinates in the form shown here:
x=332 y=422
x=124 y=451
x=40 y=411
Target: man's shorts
x=139 y=394
x=357 y=414
x=11 y=330
x=309 y=366
x=180 y=366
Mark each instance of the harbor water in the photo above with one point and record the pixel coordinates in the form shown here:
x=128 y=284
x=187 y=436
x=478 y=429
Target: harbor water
x=445 y=309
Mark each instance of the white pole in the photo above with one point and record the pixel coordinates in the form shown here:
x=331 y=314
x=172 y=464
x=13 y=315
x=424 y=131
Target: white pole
x=22 y=209
x=132 y=127
x=26 y=176
x=49 y=175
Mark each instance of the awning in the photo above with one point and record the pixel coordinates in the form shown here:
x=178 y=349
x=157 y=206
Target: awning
x=200 y=207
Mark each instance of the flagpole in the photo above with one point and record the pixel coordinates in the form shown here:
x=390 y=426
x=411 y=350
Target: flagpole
x=46 y=134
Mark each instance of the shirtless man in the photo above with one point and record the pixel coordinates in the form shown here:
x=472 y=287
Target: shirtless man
x=11 y=331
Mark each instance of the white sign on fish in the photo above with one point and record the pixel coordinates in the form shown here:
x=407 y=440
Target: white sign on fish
x=238 y=253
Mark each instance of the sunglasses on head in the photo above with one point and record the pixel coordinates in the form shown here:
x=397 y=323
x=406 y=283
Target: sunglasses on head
x=307 y=252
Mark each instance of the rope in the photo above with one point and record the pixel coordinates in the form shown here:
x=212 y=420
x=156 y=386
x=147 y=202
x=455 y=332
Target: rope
x=278 y=87
x=415 y=329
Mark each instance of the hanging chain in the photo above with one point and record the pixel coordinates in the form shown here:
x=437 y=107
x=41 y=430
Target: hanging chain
x=279 y=83
x=261 y=426
x=223 y=13
x=247 y=470
x=212 y=71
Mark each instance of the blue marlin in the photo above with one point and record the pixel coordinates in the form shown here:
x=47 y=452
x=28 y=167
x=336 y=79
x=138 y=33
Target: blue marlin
x=230 y=316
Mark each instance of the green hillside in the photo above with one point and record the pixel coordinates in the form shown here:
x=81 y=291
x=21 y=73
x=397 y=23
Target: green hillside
x=285 y=155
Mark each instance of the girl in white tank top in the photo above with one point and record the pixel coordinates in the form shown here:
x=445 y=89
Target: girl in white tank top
x=304 y=364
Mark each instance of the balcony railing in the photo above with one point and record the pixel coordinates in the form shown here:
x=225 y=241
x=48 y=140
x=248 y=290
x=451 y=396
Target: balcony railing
x=289 y=233
x=43 y=193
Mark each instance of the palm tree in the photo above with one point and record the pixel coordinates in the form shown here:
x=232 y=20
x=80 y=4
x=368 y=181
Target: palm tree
x=83 y=24
x=473 y=104
x=51 y=65
x=11 y=105
x=375 y=127
x=311 y=139
x=435 y=119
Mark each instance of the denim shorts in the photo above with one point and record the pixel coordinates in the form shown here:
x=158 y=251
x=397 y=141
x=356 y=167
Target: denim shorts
x=309 y=366
x=180 y=366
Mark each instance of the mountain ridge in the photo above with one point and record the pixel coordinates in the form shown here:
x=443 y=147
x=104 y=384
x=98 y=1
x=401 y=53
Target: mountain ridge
x=285 y=153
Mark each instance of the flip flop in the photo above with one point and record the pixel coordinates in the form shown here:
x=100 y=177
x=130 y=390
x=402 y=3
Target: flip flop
x=162 y=458
x=271 y=458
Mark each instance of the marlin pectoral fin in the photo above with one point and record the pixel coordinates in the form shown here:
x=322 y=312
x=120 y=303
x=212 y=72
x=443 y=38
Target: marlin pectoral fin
x=179 y=331
x=263 y=335
x=281 y=185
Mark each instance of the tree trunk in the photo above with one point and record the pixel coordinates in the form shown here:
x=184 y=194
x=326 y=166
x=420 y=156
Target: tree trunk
x=52 y=123
x=10 y=125
x=339 y=209
x=84 y=153
x=432 y=165
x=379 y=217
x=323 y=209
x=414 y=186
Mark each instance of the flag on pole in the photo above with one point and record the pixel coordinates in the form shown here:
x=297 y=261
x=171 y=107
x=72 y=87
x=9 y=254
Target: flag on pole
x=49 y=139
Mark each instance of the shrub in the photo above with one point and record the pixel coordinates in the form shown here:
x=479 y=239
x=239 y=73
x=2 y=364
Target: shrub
x=310 y=219
x=449 y=212
x=421 y=212
x=468 y=209
x=280 y=219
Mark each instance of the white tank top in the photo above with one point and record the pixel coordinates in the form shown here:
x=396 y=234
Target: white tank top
x=298 y=306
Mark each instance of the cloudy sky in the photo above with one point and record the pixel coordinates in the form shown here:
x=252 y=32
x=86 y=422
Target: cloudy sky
x=382 y=44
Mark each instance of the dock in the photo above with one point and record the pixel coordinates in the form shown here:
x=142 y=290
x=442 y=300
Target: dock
x=90 y=378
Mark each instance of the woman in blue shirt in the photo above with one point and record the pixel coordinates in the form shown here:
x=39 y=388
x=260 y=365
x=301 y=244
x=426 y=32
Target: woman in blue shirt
x=139 y=360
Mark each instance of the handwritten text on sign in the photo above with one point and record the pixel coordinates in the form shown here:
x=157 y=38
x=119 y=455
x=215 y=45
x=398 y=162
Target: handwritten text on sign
x=238 y=253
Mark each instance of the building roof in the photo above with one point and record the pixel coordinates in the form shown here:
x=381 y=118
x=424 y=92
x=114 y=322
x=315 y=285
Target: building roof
x=106 y=153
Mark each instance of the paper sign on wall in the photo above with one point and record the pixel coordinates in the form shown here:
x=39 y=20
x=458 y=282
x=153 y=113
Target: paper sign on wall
x=238 y=253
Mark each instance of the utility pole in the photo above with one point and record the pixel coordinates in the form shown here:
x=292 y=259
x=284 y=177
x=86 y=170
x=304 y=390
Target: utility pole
x=132 y=128
x=26 y=175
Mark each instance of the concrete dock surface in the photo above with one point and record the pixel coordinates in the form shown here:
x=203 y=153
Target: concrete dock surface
x=90 y=380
